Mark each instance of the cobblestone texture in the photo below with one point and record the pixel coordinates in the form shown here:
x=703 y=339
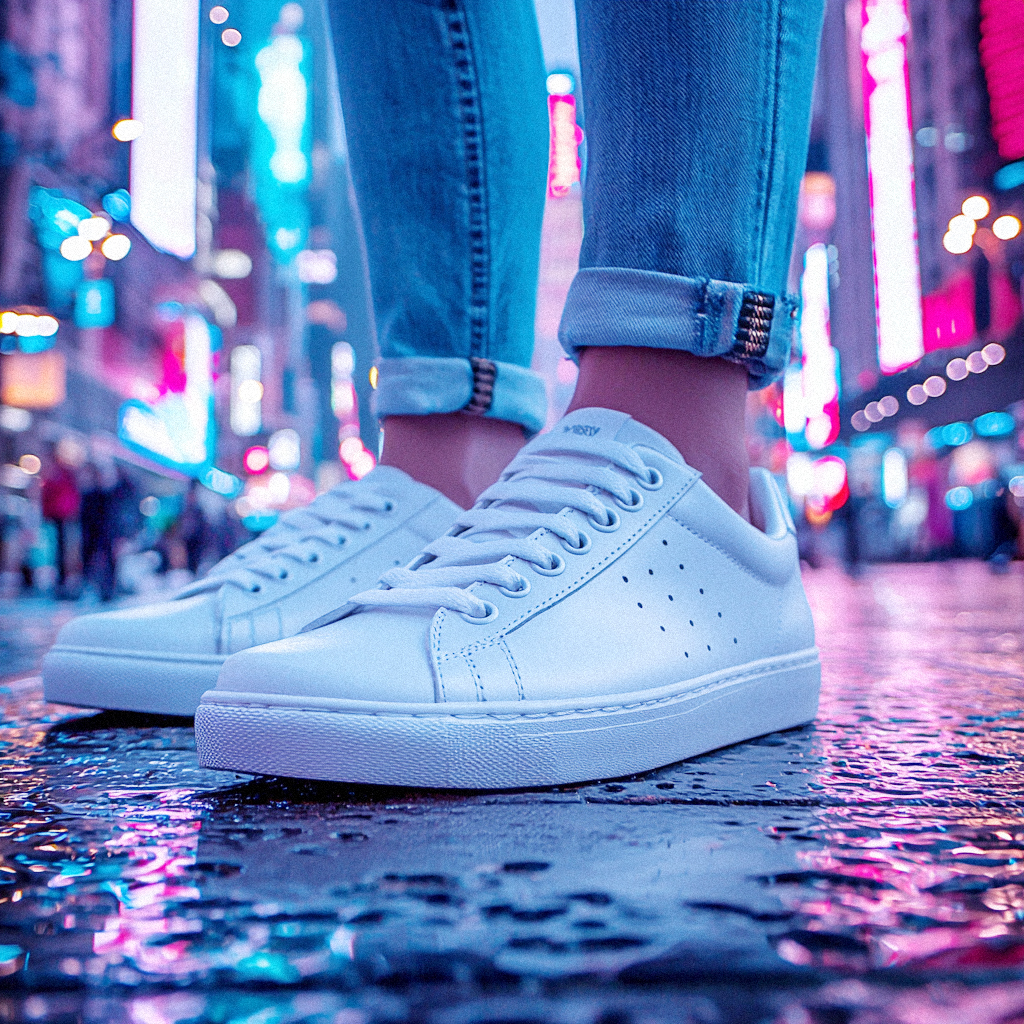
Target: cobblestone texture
x=867 y=869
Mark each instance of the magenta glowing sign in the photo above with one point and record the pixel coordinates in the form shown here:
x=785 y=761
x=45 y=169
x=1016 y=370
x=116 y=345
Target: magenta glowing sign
x=566 y=136
x=1002 y=55
x=885 y=27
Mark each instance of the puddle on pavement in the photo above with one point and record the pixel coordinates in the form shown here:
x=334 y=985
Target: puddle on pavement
x=884 y=845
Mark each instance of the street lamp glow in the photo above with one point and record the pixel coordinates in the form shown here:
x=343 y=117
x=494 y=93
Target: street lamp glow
x=560 y=84
x=127 y=129
x=957 y=244
x=116 y=247
x=75 y=248
x=93 y=228
x=961 y=224
x=976 y=207
x=1006 y=227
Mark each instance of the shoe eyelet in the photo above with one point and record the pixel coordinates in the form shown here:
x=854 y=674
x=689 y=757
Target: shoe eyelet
x=255 y=589
x=492 y=614
x=614 y=522
x=655 y=481
x=313 y=557
x=283 y=575
x=638 y=501
x=555 y=570
x=366 y=526
x=389 y=506
x=582 y=549
x=521 y=592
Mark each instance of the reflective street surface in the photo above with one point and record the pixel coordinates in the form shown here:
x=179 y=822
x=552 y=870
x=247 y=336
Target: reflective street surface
x=867 y=869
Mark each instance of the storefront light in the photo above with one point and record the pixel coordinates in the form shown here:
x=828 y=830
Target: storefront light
x=959 y=499
x=895 y=481
x=994 y=424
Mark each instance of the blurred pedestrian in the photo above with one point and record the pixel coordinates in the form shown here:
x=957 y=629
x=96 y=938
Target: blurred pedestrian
x=62 y=503
x=192 y=527
x=98 y=529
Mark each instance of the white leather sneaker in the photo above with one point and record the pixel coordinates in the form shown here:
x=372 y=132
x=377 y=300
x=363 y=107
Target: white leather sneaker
x=598 y=612
x=159 y=658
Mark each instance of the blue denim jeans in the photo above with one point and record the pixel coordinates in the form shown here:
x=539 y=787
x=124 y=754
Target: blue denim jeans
x=697 y=115
x=446 y=117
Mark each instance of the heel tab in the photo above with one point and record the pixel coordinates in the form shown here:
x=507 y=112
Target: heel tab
x=769 y=509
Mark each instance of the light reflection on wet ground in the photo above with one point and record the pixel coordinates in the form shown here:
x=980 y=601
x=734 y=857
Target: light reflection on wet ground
x=868 y=869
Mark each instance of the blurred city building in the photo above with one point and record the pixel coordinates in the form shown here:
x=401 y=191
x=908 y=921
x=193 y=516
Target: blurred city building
x=184 y=300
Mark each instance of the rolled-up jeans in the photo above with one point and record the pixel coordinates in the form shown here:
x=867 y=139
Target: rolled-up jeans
x=697 y=116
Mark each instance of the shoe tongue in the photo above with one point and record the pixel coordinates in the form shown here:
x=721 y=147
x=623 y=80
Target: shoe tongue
x=601 y=424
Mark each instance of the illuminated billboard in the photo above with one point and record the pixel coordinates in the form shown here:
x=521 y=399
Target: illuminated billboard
x=884 y=32
x=165 y=63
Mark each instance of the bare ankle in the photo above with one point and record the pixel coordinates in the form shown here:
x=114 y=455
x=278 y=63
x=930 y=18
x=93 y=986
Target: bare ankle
x=459 y=454
x=697 y=403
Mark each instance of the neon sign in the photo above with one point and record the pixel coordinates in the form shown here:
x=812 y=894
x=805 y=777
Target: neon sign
x=820 y=375
x=165 y=62
x=885 y=27
x=178 y=430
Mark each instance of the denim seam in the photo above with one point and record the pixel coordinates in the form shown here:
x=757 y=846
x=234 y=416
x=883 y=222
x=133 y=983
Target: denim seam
x=770 y=156
x=471 y=116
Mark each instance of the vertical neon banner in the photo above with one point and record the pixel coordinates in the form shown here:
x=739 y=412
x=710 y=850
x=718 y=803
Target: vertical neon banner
x=820 y=362
x=165 y=68
x=884 y=32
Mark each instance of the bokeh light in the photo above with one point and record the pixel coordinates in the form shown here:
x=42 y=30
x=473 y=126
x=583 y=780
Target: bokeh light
x=257 y=459
x=1006 y=227
x=116 y=247
x=975 y=207
x=126 y=130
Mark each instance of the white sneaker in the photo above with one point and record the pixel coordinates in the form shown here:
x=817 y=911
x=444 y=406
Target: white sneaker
x=599 y=612
x=159 y=658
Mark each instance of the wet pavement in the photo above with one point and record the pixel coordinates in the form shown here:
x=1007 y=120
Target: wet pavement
x=867 y=869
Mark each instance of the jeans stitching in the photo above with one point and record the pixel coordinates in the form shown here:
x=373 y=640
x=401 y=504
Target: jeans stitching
x=470 y=112
x=770 y=155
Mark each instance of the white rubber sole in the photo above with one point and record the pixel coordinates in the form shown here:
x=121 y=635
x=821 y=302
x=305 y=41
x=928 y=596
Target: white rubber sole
x=511 y=744
x=147 y=681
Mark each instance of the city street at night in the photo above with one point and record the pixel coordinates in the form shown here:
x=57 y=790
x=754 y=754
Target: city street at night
x=512 y=512
x=864 y=869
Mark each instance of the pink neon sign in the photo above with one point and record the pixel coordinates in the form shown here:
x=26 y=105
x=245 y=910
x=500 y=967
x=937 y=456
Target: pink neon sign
x=1002 y=54
x=566 y=136
x=884 y=31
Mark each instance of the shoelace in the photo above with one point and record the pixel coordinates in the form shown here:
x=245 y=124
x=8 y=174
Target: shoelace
x=532 y=494
x=295 y=538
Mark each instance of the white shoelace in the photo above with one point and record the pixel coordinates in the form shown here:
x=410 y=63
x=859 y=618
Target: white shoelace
x=298 y=537
x=534 y=493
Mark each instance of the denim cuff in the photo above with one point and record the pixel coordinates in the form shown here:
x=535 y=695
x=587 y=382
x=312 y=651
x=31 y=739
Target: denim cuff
x=420 y=385
x=616 y=306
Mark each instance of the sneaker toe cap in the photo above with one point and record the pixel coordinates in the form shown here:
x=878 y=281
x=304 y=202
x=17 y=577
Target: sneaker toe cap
x=188 y=626
x=377 y=656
